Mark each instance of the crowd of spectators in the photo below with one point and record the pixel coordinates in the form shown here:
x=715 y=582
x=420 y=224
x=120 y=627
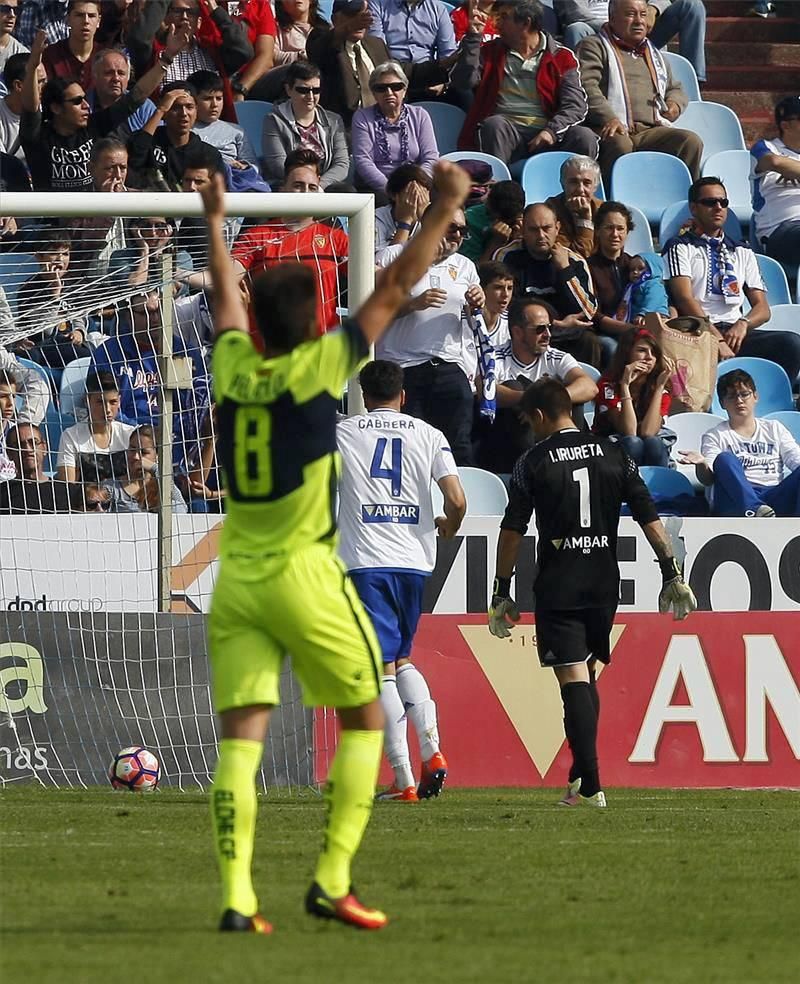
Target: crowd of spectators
x=126 y=95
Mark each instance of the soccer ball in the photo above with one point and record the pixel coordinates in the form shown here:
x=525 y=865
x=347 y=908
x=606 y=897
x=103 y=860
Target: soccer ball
x=134 y=768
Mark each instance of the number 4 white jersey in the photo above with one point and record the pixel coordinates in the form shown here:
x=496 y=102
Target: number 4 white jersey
x=385 y=508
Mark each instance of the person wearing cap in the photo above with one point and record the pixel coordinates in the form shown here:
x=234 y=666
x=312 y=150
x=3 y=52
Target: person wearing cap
x=775 y=181
x=346 y=56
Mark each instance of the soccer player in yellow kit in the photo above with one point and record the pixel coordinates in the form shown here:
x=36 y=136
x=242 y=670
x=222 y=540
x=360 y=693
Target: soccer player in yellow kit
x=281 y=588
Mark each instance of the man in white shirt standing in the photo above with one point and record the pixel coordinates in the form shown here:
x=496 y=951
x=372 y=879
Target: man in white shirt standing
x=708 y=274
x=432 y=343
x=388 y=545
x=775 y=183
x=744 y=459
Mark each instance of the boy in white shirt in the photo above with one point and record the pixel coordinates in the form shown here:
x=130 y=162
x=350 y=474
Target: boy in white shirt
x=744 y=459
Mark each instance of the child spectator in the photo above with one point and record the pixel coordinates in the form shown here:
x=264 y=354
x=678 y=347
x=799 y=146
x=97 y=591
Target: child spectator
x=228 y=138
x=494 y=223
x=644 y=293
x=744 y=458
x=138 y=490
x=498 y=289
x=42 y=299
x=633 y=400
x=90 y=451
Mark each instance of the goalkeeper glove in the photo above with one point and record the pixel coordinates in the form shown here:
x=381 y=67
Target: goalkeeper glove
x=502 y=608
x=675 y=595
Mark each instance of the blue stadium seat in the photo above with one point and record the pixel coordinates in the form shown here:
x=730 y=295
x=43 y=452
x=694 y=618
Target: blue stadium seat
x=448 y=122
x=540 y=176
x=772 y=383
x=777 y=287
x=689 y=427
x=640 y=239
x=486 y=493
x=500 y=170
x=665 y=482
x=733 y=167
x=651 y=181
x=15 y=269
x=790 y=420
x=72 y=395
x=783 y=317
x=683 y=72
x=590 y=370
x=718 y=126
x=676 y=214
x=250 y=114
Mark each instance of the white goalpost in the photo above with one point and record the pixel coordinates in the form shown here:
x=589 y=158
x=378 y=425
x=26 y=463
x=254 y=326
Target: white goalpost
x=103 y=594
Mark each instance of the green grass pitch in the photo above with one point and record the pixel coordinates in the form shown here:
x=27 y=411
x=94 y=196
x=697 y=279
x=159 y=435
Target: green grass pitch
x=493 y=886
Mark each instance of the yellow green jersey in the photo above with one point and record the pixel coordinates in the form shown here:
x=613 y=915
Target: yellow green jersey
x=276 y=422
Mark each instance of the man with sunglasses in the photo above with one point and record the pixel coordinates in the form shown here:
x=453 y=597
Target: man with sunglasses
x=32 y=491
x=708 y=274
x=528 y=357
x=58 y=149
x=431 y=341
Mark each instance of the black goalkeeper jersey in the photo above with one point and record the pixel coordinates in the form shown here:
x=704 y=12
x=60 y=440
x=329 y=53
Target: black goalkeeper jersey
x=576 y=483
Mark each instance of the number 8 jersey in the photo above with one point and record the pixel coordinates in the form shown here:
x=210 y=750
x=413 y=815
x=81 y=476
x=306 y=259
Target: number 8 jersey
x=276 y=420
x=385 y=508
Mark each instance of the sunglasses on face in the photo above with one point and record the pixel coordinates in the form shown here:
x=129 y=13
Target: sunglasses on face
x=183 y=11
x=458 y=230
x=540 y=329
x=6 y=9
x=75 y=100
x=389 y=87
x=306 y=90
x=711 y=202
x=98 y=505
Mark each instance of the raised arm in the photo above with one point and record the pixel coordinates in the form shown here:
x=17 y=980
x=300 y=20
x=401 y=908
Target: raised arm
x=30 y=84
x=229 y=311
x=375 y=315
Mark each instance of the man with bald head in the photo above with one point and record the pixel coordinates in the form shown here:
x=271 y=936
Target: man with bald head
x=545 y=269
x=633 y=98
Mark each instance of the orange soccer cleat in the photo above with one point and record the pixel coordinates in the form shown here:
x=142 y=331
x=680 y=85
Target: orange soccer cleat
x=434 y=773
x=407 y=795
x=347 y=909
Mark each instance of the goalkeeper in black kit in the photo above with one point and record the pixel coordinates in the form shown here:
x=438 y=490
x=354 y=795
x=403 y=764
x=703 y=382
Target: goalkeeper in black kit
x=577 y=484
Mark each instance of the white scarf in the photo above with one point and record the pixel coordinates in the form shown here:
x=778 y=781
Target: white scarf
x=617 y=89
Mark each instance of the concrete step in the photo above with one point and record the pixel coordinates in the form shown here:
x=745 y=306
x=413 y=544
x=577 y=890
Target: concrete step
x=746 y=103
x=739 y=8
x=758 y=53
x=759 y=78
x=746 y=30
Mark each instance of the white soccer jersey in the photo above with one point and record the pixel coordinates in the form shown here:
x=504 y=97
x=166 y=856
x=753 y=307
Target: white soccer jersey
x=436 y=332
x=763 y=455
x=385 y=508
x=687 y=259
x=552 y=362
x=775 y=200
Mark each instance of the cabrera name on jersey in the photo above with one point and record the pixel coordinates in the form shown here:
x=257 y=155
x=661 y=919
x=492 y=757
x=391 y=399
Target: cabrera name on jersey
x=385 y=507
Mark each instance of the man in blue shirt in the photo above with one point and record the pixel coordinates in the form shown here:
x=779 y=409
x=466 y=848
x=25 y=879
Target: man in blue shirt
x=419 y=34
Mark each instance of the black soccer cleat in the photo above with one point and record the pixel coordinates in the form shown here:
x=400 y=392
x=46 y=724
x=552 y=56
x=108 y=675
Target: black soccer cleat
x=346 y=909
x=234 y=922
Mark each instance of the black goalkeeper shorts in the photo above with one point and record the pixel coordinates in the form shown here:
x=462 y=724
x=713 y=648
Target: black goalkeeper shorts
x=574 y=635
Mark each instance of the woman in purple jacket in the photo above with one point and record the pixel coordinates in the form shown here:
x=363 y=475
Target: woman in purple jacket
x=390 y=133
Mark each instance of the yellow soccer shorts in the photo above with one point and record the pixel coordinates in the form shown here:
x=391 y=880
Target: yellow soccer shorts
x=309 y=609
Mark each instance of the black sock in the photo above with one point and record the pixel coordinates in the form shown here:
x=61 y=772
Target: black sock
x=595 y=694
x=574 y=771
x=579 y=710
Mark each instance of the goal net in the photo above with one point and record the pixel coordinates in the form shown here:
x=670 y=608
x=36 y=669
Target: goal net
x=111 y=498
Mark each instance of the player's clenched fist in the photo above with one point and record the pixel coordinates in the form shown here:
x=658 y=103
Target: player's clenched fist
x=451 y=181
x=675 y=595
